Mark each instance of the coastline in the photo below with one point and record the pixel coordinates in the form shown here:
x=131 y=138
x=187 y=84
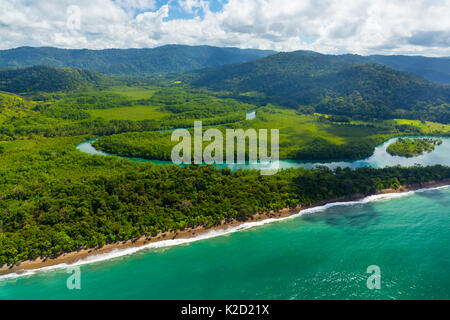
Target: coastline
x=109 y=251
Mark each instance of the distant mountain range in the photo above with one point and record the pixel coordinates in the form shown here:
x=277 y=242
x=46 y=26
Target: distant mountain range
x=344 y=85
x=165 y=59
x=181 y=58
x=435 y=69
x=331 y=84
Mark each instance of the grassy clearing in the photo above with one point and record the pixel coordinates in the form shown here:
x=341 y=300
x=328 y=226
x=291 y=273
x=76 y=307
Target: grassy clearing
x=134 y=92
x=130 y=113
x=299 y=132
x=298 y=128
x=427 y=127
x=302 y=137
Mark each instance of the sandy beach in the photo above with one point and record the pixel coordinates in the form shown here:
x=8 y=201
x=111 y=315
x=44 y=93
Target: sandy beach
x=81 y=254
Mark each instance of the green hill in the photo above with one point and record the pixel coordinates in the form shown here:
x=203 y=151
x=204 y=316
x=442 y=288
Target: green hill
x=48 y=79
x=12 y=105
x=165 y=59
x=338 y=85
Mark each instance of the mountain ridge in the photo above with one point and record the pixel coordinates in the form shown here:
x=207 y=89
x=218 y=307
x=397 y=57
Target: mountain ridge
x=133 y=61
x=331 y=84
x=175 y=58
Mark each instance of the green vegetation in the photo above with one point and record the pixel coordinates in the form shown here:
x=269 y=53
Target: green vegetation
x=426 y=127
x=337 y=85
x=47 y=79
x=56 y=199
x=409 y=148
x=108 y=111
x=134 y=91
x=435 y=69
x=12 y=105
x=302 y=137
x=151 y=145
x=169 y=58
x=134 y=113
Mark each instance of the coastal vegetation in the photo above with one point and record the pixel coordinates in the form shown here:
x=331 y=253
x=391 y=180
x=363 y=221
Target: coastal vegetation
x=406 y=147
x=55 y=199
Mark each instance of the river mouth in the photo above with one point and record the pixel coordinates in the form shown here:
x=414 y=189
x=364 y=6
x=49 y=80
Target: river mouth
x=379 y=159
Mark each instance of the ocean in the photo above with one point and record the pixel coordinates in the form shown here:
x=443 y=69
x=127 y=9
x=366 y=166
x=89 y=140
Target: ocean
x=324 y=253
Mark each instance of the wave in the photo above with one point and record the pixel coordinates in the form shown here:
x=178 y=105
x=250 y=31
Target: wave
x=116 y=253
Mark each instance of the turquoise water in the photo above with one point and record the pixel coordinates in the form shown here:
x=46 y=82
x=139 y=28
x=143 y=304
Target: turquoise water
x=321 y=255
x=379 y=159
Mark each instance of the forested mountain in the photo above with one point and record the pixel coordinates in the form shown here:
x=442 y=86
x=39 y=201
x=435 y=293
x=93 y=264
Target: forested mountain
x=333 y=85
x=346 y=85
x=181 y=58
x=49 y=79
x=435 y=69
x=169 y=58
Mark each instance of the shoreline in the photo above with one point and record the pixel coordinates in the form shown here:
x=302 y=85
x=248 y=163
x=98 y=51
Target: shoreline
x=106 y=252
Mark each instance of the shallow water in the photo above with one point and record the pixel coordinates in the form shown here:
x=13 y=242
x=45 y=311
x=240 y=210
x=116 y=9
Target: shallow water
x=324 y=254
x=379 y=159
x=320 y=255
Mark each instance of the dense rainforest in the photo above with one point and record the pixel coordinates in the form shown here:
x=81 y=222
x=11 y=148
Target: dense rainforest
x=181 y=58
x=435 y=69
x=48 y=79
x=332 y=85
x=68 y=114
x=58 y=200
x=146 y=61
x=54 y=198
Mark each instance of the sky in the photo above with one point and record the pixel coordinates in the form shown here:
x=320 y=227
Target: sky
x=413 y=27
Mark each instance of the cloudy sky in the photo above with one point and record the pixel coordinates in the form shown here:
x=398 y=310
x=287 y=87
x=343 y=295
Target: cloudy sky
x=328 y=26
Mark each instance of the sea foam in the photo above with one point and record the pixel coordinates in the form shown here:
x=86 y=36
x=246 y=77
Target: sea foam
x=116 y=253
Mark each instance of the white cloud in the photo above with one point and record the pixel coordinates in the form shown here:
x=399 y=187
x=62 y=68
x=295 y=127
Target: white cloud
x=137 y=4
x=330 y=26
x=193 y=6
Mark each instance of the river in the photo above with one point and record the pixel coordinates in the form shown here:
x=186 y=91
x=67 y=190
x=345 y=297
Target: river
x=379 y=159
x=322 y=253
